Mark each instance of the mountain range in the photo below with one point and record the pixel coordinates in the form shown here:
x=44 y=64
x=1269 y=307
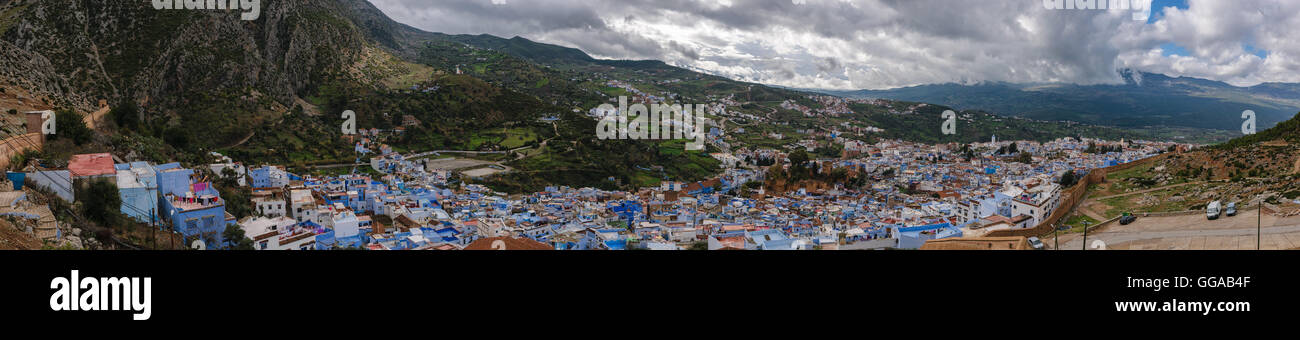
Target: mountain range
x=1143 y=100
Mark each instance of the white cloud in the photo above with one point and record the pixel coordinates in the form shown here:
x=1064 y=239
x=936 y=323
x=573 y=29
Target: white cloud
x=850 y=44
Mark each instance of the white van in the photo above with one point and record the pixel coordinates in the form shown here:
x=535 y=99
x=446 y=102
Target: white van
x=1213 y=211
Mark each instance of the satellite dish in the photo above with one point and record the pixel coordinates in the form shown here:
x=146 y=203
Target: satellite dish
x=198 y=245
x=498 y=245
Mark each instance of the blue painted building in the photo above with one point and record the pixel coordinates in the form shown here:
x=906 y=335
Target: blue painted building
x=268 y=177
x=194 y=209
x=137 y=184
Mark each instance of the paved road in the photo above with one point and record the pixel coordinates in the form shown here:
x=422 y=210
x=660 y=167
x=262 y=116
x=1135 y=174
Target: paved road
x=1172 y=239
x=1193 y=232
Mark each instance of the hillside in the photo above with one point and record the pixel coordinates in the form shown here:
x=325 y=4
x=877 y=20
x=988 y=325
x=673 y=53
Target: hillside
x=269 y=91
x=1146 y=99
x=1264 y=166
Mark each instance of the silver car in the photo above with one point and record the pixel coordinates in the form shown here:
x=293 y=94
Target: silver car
x=1035 y=243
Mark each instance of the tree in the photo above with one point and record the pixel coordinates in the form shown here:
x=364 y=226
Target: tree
x=1025 y=157
x=177 y=137
x=235 y=238
x=101 y=201
x=798 y=158
x=126 y=114
x=69 y=124
x=1067 y=179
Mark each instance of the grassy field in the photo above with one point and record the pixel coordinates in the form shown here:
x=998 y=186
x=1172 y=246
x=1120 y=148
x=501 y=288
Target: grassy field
x=1077 y=221
x=1167 y=200
x=613 y=92
x=415 y=73
x=1119 y=182
x=506 y=138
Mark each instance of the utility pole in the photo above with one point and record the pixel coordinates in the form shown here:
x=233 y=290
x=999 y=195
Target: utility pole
x=1259 y=224
x=1085 y=235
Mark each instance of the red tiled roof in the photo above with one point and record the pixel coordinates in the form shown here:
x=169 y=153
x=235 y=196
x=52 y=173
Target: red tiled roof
x=94 y=164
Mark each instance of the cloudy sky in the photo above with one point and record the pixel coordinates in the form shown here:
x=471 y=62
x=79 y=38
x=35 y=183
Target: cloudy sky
x=878 y=44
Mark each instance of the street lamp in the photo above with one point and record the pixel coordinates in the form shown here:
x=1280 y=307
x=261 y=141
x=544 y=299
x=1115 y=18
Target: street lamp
x=1085 y=234
x=1056 y=237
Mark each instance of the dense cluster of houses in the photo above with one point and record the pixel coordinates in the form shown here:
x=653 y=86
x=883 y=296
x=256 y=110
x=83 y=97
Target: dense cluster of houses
x=828 y=106
x=917 y=193
x=931 y=194
x=922 y=192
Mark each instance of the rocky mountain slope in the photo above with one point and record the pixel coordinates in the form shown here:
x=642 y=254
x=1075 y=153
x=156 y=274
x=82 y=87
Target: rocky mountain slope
x=175 y=62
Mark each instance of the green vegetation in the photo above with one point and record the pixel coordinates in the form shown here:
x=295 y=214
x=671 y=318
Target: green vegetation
x=1159 y=101
x=1288 y=131
x=101 y=202
x=69 y=124
x=235 y=238
x=978 y=126
x=1078 y=221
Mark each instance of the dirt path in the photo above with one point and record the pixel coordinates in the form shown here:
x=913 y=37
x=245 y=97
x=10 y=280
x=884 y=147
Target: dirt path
x=96 y=116
x=245 y=140
x=1086 y=210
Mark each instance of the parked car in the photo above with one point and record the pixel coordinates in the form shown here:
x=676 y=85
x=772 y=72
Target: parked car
x=1035 y=243
x=1127 y=218
x=1232 y=209
x=1213 y=210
